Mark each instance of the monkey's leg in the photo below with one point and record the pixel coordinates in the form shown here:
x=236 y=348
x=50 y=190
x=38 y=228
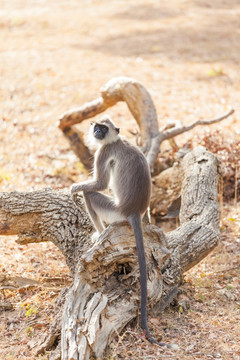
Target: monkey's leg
x=102 y=208
x=92 y=213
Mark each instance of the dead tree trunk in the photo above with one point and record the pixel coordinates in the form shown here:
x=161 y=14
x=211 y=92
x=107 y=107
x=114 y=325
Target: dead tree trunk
x=104 y=295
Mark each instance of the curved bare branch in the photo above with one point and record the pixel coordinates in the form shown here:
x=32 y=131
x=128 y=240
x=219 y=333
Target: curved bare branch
x=181 y=129
x=142 y=108
x=140 y=104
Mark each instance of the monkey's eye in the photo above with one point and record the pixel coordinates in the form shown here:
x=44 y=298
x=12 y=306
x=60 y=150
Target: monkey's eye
x=104 y=129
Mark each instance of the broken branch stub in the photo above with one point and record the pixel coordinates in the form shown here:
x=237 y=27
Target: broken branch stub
x=199 y=228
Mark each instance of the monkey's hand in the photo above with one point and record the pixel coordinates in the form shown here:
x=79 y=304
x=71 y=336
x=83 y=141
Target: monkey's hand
x=74 y=189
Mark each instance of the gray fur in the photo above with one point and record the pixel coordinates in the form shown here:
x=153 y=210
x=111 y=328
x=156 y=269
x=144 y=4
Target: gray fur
x=123 y=167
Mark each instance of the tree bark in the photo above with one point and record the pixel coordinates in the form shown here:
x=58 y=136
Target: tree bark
x=104 y=296
x=47 y=215
x=166 y=189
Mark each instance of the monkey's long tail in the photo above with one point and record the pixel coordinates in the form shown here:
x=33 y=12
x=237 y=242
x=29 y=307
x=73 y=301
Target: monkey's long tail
x=136 y=224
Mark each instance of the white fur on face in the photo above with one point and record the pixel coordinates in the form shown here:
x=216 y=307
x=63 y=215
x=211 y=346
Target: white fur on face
x=110 y=137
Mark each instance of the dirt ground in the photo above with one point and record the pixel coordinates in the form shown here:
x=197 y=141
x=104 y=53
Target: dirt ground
x=55 y=55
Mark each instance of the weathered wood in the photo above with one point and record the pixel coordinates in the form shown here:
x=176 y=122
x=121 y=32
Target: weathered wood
x=46 y=215
x=199 y=228
x=141 y=106
x=88 y=110
x=77 y=144
x=139 y=103
x=166 y=189
x=107 y=305
x=104 y=296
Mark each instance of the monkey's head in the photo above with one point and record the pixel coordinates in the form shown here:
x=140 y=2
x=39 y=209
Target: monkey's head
x=104 y=131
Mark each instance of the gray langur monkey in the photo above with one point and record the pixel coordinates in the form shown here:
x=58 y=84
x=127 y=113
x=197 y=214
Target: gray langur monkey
x=124 y=166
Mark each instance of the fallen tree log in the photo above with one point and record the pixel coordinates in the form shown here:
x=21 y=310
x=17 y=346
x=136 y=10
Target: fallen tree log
x=104 y=296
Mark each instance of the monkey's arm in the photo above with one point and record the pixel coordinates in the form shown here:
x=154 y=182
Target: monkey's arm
x=88 y=186
x=98 y=183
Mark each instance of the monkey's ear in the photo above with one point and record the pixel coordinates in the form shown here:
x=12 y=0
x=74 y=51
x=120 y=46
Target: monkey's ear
x=117 y=130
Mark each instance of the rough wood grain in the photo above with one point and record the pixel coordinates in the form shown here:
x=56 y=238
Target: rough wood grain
x=104 y=296
x=46 y=215
x=166 y=189
x=199 y=228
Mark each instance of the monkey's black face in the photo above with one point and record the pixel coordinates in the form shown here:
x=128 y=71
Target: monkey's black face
x=100 y=131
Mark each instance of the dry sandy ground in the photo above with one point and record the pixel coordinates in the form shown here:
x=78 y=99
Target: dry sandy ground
x=55 y=55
